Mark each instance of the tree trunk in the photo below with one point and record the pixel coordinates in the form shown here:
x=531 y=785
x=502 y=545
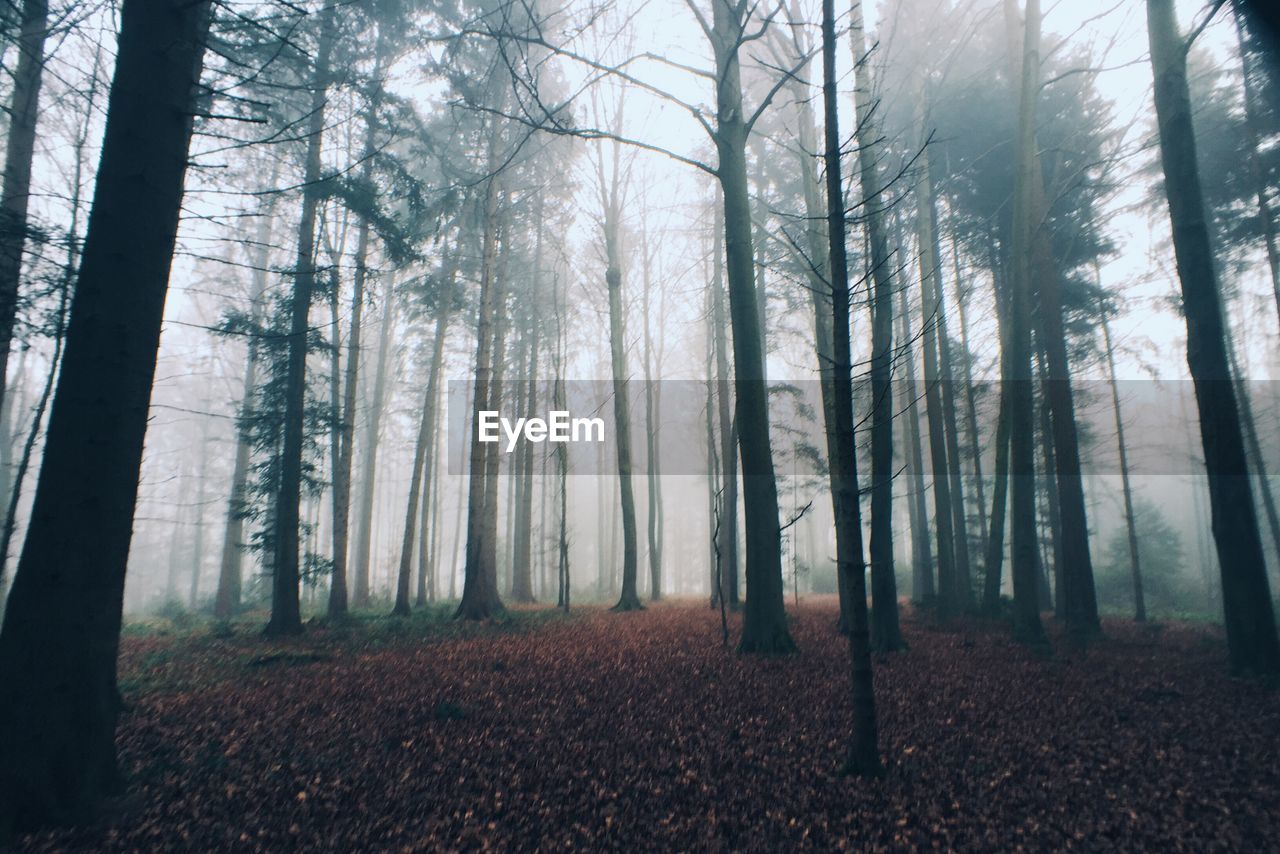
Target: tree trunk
x=58 y=645
x=477 y=597
x=863 y=756
x=922 y=588
x=944 y=516
x=369 y=464
x=338 y=593
x=652 y=419
x=423 y=456
x=1249 y=614
x=24 y=112
x=522 y=553
x=764 y=628
x=1135 y=567
x=886 y=634
x=1016 y=350
x=971 y=403
x=728 y=539
x=286 y=612
x=230 y=574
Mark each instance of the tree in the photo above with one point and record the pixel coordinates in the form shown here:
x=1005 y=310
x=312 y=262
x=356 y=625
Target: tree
x=24 y=112
x=1249 y=614
x=286 y=613
x=58 y=696
x=885 y=633
x=864 y=753
x=764 y=626
x=1017 y=345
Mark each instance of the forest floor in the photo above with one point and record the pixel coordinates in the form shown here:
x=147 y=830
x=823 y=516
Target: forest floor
x=640 y=730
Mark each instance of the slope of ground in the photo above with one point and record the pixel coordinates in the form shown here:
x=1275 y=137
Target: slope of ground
x=640 y=731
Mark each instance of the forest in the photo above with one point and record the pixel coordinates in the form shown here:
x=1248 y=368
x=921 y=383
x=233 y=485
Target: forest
x=639 y=424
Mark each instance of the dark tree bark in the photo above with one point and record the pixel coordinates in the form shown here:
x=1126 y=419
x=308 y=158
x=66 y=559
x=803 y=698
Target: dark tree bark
x=886 y=635
x=764 y=627
x=286 y=611
x=1247 y=606
x=863 y=756
x=58 y=646
x=1016 y=351
x=24 y=111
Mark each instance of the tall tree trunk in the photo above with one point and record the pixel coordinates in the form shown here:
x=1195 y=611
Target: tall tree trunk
x=993 y=560
x=360 y=555
x=1016 y=349
x=423 y=452
x=728 y=452
x=338 y=592
x=971 y=402
x=1131 y=526
x=1253 y=447
x=863 y=756
x=230 y=573
x=24 y=111
x=59 y=699
x=1048 y=481
x=1249 y=614
x=652 y=419
x=522 y=553
x=477 y=597
x=944 y=516
x=886 y=634
x=764 y=628
x=922 y=587
x=197 y=544
x=818 y=261
x=286 y=612
x=430 y=521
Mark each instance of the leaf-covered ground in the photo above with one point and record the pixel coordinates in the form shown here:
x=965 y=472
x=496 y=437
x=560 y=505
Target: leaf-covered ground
x=634 y=731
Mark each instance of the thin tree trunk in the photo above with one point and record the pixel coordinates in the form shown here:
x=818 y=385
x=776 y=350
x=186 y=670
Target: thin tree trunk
x=24 y=112
x=728 y=452
x=286 y=612
x=360 y=567
x=651 y=419
x=1131 y=526
x=230 y=572
x=863 y=756
x=886 y=635
x=922 y=587
x=423 y=452
x=944 y=517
